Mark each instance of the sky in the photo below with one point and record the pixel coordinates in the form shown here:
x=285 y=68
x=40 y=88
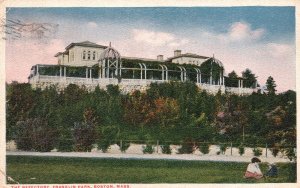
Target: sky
x=259 y=38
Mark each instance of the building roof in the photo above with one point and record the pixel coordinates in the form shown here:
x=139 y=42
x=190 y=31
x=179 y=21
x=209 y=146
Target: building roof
x=85 y=44
x=59 y=53
x=141 y=59
x=187 y=55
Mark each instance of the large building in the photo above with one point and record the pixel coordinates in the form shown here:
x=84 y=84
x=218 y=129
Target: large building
x=88 y=64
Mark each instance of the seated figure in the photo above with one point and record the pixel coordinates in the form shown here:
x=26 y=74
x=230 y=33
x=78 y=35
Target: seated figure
x=272 y=171
x=253 y=171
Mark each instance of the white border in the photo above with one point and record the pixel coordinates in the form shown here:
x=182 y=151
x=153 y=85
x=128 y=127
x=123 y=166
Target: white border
x=143 y=3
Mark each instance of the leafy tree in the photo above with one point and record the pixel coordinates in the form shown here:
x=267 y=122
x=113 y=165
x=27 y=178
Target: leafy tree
x=165 y=112
x=232 y=80
x=136 y=108
x=249 y=78
x=20 y=102
x=271 y=85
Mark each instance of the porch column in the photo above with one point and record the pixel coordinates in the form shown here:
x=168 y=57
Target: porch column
x=90 y=73
x=200 y=78
x=60 y=71
x=86 y=73
x=223 y=82
x=37 y=69
x=167 y=74
x=65 y=72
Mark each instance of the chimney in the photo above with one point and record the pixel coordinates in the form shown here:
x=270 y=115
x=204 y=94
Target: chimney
x=177 y=53
x=160 y=58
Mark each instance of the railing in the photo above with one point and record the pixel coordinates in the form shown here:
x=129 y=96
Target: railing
x=130 y=83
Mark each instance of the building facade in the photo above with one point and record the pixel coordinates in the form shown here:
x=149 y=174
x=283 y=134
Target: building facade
x=89 y=64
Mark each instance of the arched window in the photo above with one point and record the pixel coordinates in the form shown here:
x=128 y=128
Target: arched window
x=94 y=55
x=83 y=55
x=89 y=55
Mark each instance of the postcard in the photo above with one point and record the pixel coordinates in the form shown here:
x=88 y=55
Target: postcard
x=101 y=94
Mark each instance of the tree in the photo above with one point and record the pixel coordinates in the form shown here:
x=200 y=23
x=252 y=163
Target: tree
x=166 y=110
x=270 y=84
x=232 y=79
x=249 y=78
x=20 y=102
x=136 y=107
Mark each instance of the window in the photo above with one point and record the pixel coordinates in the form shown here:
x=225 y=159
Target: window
x=84 y=54
x=94 y=55
x=89 y=55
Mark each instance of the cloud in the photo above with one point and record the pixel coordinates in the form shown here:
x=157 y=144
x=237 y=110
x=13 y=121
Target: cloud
x=238 y=32
x=92 y=24
x=278 y=50
x=241 y=31
x=156 y=38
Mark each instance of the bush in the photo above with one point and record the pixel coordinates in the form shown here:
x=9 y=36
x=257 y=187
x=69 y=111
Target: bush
x=241 y=150
x=165 y=148
x=290 y=153
x=148 y=149
x=66 y=142
x=104 y=145
x=106 y=135
x=123 y=146
x=35 y=134
x=186 y=148
x=223 y=148
x=257 y=152
x=275 y=150
x=204 y=148
x=84 y=136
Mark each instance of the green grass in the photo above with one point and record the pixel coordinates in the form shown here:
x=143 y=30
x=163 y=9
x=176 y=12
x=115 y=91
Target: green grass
x=49 y=170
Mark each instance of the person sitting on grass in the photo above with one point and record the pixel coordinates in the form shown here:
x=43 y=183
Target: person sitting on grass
x=253 y=171
x=272 y=171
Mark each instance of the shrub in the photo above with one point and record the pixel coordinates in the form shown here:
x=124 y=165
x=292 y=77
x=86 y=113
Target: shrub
x=186 y=148
x=66 y=142
x=84 y=136
x=35 y=134
x=165 y=148
x=106 y=135
x=148 y=149
x=290 y=153
x=204 y=148
x=123 y=146
x=275 y=150
x=104 y=145
x=241 y=149
x=257 y=152
x=223 y=148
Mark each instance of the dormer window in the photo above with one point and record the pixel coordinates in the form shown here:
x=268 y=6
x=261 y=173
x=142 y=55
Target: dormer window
x=84 y=54
x=94 y=55
x=89 y=55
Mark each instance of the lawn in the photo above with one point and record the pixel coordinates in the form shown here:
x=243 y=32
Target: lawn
x=47 y=170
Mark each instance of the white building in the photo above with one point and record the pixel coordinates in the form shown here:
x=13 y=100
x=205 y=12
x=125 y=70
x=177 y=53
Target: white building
x=89 y=64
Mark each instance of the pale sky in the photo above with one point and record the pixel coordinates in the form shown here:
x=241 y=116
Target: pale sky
x=259 y=38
